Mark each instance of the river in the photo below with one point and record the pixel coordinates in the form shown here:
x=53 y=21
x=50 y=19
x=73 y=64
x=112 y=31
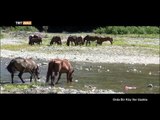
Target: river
x=109 y=76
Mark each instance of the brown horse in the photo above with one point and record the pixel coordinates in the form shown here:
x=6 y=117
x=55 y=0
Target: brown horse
x=79 y=41
x=23 y=65
x=57 y=40
x=100 y=40
x=71 y=39
x=59 y=66
x=76 y=40
x=34 y=39
x=89 y=38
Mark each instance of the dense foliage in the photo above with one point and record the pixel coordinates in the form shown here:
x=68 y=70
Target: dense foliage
x=128 y=30
x=20 y=28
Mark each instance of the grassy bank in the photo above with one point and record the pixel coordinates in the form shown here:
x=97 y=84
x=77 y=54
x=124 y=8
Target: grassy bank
x=130 y=40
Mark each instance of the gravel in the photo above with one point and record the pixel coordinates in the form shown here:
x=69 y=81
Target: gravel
x=101 y=54
x=57 y=90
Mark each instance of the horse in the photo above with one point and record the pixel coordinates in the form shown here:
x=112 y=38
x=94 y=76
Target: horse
x=23 y=66
x=34 y=39
x=57 y=40
x=71 y=39
x=59 y=66
x=89 y=38
x=102 y=39
x=79 y=41
x=76 y=40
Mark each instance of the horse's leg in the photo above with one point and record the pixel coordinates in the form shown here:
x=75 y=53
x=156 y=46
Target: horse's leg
x=12 y=76
x=56 y=74
x=33 y=74
x=59 y=78
x=68 y=77
x=68 y=43
x=47 y=77
x=97 y=43
x=111 y=42
x=86 y=42
x=31 y=78
x=89 y=42
x=53 y=78
x=20 y=76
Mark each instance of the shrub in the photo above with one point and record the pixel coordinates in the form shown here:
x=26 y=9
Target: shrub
x=128 y=30
x=20 y=28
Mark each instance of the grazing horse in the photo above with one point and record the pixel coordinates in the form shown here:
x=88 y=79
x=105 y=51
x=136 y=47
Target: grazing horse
x=102 y=39
x=89 y=38
x=57 y=40
x=59 y=66
x=79 y=41
x=76 y=40
x=23 y=65
x=71 y=39
x=34 y=39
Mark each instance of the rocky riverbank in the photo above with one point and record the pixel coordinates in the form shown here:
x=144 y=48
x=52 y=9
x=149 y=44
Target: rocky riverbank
x=36 y=89
x=100 y=54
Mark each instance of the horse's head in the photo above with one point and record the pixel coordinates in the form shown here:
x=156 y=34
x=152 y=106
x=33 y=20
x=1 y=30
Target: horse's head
x=70 y=76
x=111 y=41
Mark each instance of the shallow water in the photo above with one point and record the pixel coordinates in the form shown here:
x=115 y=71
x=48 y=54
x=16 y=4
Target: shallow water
x=102 y=76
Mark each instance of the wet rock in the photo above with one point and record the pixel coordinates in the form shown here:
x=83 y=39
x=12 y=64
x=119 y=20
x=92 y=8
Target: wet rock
x=150 y=73
x=100 y=66
x=87 y=69
x=44 y=63
x=76 y=80
x=87 y=59
x=150 y=85
x=134 y=70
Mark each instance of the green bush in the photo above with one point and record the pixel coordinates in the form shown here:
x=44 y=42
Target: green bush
x=20 y=28
x=127 y=30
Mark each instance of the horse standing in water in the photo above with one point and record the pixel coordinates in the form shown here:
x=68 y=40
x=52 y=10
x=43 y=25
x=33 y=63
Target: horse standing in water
x=23 y=65
x=59 y=66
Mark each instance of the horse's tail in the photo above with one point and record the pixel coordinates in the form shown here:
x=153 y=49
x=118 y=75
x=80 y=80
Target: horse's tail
x=49 y=72
x=11 y=66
